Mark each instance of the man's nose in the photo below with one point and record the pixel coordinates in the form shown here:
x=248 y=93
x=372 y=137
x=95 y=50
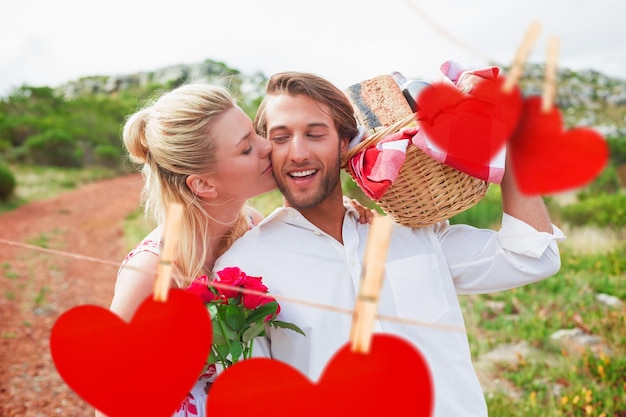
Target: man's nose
x=299 y=149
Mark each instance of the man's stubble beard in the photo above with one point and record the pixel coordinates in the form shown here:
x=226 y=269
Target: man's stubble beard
x=329 y=183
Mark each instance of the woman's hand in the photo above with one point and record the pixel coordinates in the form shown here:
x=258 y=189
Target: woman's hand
x=366 y=214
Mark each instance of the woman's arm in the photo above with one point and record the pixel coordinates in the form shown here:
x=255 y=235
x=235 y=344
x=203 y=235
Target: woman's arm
x=135 y=282
x=366 y=214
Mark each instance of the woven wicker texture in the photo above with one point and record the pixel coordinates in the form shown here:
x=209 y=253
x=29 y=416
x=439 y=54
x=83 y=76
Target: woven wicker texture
x=426 y=191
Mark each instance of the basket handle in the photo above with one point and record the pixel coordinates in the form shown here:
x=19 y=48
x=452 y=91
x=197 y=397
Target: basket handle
x=375 y=137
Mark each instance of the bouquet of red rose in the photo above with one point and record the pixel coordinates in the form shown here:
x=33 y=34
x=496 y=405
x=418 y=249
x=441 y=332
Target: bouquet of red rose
x=240 y=311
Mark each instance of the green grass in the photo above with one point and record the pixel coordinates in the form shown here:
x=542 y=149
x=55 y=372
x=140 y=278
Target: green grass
x=43 y=239
x=8 y=272
x=554 y=381
x=40 y=297
x=136 y=227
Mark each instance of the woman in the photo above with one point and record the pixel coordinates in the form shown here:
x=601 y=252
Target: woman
x=199 y=149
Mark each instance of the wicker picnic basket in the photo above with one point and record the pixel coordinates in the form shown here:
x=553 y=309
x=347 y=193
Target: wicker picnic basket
x=425 y=191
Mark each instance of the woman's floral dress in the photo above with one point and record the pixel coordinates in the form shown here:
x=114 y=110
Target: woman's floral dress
x=194 y=405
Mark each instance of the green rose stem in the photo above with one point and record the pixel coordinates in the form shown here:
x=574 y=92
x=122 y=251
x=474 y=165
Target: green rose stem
x=222 y=359
x=248 y=350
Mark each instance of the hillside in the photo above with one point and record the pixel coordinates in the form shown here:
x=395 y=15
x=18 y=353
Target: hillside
x=249 y=87
x=78 y=123
x=587 y=98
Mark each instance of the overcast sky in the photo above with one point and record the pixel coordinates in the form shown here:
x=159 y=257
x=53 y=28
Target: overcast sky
x=49 y=42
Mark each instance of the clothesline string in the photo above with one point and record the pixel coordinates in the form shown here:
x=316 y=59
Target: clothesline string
x=278 y=297
x=445 y=33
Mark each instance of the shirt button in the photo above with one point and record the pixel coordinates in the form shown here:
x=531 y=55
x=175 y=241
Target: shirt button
x=317 y=233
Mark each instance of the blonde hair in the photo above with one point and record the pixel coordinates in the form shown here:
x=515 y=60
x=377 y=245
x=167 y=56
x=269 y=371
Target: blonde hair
x=171 y=137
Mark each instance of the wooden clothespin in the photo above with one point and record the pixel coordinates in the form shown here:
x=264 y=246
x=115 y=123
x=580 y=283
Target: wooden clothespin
x=171 y=232
x=549 y=80
x=372 y=276
x=517 y=68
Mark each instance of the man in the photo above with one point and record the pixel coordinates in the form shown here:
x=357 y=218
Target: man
x=311 y=249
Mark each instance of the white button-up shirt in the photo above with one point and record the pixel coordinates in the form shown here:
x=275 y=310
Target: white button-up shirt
x=426 y=268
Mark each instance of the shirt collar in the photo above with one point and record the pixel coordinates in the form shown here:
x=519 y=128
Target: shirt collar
x=290 y=215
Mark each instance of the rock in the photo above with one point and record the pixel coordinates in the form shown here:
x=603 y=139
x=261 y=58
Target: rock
x=485 y=365
x=510 y=353
x=576 y=341
x=609 y=300
x=496 y=307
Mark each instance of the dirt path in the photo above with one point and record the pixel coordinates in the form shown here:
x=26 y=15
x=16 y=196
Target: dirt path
x=37 y=287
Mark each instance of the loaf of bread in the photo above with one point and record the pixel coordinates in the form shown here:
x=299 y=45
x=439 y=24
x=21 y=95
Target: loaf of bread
x=378 y=102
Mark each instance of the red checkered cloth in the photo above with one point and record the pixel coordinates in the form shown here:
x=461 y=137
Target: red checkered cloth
x=376 y=168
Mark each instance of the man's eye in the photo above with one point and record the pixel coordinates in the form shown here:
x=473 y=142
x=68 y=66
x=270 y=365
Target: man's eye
x=315 y=135
x=280 y=139
x=248 y=151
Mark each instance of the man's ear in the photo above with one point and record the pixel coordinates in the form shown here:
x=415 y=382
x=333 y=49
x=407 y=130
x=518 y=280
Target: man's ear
x=345 y=144
x=202 y=186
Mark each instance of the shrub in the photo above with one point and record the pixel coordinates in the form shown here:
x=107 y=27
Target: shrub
x=54 y=147
x=485 y=214
x=108 y=155
x=5 y=146
x=7 y=183
x=605 y=210
x=617 y=148
x=606 y=183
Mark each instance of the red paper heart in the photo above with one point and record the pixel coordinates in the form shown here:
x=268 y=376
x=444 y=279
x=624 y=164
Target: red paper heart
x=548 y=159
x=142 y=368
x=393 y=378
x=469 y=127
